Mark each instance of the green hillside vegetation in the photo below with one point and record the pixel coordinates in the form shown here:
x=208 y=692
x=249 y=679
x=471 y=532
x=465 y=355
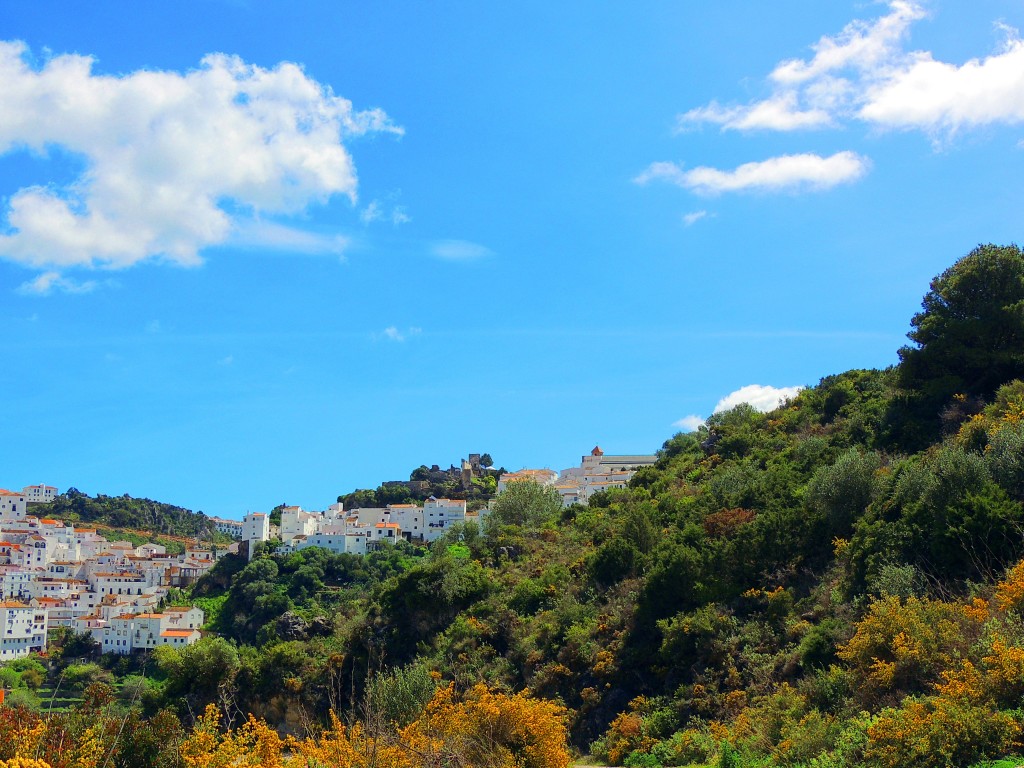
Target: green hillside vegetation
x=836 y=583
x=128 y=513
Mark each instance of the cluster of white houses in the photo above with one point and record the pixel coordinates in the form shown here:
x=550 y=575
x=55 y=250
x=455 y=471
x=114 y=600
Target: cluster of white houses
x=55 y=574
x=357 y=531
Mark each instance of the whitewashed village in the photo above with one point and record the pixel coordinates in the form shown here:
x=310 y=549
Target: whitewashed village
x=55 y=573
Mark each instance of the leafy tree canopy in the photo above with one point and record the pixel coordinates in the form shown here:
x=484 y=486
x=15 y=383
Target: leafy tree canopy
x=969 y=335
x=526 y=503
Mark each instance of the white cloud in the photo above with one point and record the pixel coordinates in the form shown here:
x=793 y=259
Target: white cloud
x=227 y=360
x=761 y=397
x=937 y=97
x=784 y=173
x=48 y=282
x=459 y=250
x=866 y=73
x=689 y=423
x=819 y=92
x=169 y=157
x=689 y=219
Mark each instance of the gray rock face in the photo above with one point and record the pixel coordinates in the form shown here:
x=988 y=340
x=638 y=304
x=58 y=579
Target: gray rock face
x=291 y=626
x=321 y=626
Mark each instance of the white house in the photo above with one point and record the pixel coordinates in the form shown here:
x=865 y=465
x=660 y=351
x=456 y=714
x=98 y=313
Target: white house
x=39 y=494
x=440 y=514
x=295 y=521
x=408 y=517
x=119 y=583
x=571 y=493
x=332 y=542
x=184 y=617
x=355 y=542
x=23 y=630
x=14 y=582
x=177 y=627
x=255 y=528
x=232 y=528
x=385 y=533
x=13 y=506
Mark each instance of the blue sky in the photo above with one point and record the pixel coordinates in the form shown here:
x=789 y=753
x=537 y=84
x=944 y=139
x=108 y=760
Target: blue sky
x=255 y=253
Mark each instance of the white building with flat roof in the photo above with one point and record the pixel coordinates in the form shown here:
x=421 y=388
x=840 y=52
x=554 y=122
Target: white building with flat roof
x=232 y=528
x=13 y=506
x=144 y=631
x=22 y=630
x=255 y=528
x=39 y=494
x=441 y=514
x=295 y=521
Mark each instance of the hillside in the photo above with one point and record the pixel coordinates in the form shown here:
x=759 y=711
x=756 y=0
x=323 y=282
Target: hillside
x=476 y=481
x=835 y=583
x=127 y=512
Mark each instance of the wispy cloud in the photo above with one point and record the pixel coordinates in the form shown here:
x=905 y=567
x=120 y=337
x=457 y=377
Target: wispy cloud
x=49 y=282
x=392 y=333
x=226 y=360
x=171 y=156
x=376 y=211
x=691 y=218
x=273 y=236
x=460 y=250
x=760 y=396
x=784 y=173
x=779 y=113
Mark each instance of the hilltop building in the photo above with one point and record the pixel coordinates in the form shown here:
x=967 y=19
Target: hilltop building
x=39 y=494
x=599 y=471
